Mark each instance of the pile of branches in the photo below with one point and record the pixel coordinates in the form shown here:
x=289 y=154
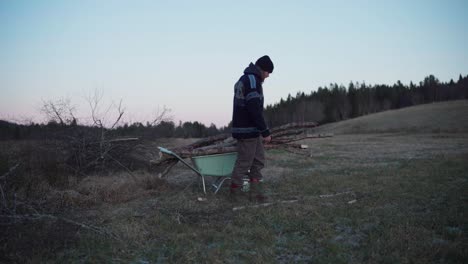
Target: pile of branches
x=86 y=154
x=282 y=137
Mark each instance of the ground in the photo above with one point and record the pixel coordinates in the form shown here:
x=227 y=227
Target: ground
x=397 y=197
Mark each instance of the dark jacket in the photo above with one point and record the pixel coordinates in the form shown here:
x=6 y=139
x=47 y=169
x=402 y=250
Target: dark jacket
x=247 y=116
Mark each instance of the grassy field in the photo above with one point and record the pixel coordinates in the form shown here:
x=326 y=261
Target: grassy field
x=440 y=117
x=396 y=196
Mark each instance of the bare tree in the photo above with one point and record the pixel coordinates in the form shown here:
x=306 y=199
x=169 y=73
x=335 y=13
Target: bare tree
x=101 y=117
x=96 y=145
x=160 y=115
x=60 y=111
x=104 y=123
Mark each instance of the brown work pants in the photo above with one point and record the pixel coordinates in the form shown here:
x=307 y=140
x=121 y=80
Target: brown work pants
x=250 y=160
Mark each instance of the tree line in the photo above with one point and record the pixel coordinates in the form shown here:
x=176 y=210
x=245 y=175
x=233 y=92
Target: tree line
x=13 y=131
x=337 y=102
x=327 y=104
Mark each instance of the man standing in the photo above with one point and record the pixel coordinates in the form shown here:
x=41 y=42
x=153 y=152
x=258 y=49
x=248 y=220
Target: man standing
x=249 y=128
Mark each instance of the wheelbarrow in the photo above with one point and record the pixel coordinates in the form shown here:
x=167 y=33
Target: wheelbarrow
x=219 y=166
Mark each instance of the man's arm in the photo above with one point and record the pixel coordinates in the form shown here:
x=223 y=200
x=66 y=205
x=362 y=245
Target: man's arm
x=255 y=109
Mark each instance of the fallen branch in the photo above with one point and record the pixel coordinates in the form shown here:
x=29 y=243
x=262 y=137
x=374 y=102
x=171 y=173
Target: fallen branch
x=121 y=165
x=121 y=140
x=291 y=201
x=34 y=217
x=115 y=140
x=10 y=171
x=4 y=177
x=3 y=198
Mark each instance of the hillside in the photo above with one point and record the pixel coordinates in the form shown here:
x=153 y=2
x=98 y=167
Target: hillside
x=450 y=116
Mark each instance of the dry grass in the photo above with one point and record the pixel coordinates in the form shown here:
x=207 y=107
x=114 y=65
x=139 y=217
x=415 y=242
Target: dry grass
x=401 y=198
x=451 y=116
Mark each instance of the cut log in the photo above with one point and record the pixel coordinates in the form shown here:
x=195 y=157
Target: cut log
x=204 y=142
x=293 y=126
x=286 y=140
x=205 y=151
x=287 y=133
x=277 y=132
x=282 y=136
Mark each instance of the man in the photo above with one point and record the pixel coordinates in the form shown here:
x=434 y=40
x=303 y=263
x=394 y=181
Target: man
x=250 y=130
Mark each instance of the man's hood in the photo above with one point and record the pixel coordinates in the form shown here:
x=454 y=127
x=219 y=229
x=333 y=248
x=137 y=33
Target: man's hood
x=252 y=69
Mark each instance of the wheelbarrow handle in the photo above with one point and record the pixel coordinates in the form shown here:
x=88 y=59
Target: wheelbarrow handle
x=164 y=150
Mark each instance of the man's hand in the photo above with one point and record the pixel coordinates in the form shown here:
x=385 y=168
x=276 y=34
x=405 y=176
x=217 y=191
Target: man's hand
x=267 y=139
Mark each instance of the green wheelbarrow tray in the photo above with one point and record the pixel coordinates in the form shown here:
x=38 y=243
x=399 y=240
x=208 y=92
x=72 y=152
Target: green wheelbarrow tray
x=217 y=165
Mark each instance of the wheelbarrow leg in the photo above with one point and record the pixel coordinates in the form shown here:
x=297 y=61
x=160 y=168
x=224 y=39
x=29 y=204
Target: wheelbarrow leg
x=203 y=181
x=218 y=183
x=188 y=165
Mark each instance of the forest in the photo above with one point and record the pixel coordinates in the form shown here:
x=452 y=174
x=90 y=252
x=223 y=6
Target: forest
x=337 y=102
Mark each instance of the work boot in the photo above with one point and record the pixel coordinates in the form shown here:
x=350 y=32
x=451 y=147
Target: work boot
x=257 y=192
x=236 y=194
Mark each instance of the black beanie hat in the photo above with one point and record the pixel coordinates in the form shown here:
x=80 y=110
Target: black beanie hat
x=265 y=64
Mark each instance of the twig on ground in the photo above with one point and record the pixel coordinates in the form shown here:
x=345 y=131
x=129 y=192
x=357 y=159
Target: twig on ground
x=333 y=194
x=167 y=169
x=295 y=152
x=121 y=165
x=264 y=204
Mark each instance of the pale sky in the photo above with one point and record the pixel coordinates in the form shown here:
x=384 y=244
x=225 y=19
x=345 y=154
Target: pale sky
x=187 y=55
